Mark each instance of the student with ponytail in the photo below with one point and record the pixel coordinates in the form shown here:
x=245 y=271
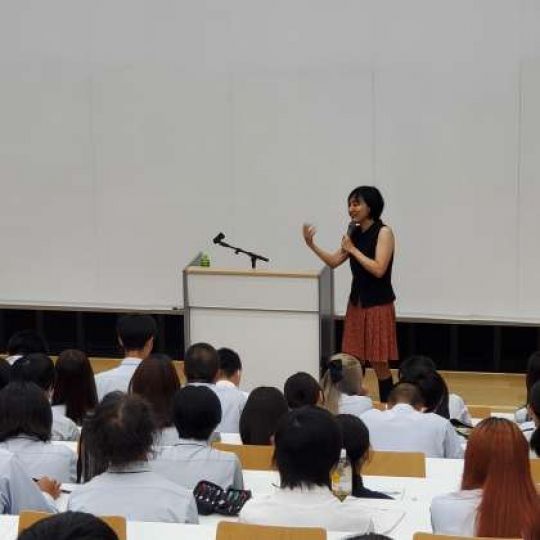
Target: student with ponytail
x=498 y=497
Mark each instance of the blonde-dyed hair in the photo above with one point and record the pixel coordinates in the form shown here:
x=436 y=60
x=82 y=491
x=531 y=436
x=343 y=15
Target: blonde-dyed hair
x=343 y=376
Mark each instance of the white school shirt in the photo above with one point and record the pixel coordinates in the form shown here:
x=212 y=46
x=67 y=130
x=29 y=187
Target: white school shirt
x=232 y=404
x=63 y=428
x=404 y=429
x=190 y=461
x=355 y=405
x=17 y=490
x=228 y=384
x=13 y=358
x=117 y=378
x=40 y=458
x=167 y=437
x=317 y=507
x=458 y=410
x=455 y=513
x=136 y=493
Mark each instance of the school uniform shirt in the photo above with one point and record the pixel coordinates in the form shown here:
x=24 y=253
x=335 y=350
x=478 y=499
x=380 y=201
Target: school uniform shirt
x=355 y=405
x=458 y=410
x=404 y=429
x=117 y=378
x=136 y=493
x=13 y=358
x=17 y=489
x=455 y=513
x=190 y=461
x=167 y=437
x=317 y=507
x=228 y=384
x=40 y=458
x=232 y=404
x=63 y=428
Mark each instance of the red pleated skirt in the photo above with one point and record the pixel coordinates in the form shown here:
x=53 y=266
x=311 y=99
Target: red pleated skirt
x=370 y=333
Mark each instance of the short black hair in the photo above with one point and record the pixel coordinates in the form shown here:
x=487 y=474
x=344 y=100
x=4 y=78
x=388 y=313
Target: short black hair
x=369 y=536
x=533 y=371
x=26 y=342
x=408 y=393
x=24 y=410
x=534 y=404
x=307 y=446
x=372 y=197
x=135 y=330
x=121 y=431
x=263 y=410
x=201 y=363
x=69 y=526
x=229 y=361
x=301 y=389
x=5 y=373
x=434 y=392
x=37 y=368
x=196 y=412
x=416 y=365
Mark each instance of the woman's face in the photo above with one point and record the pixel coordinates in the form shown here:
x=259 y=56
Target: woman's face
x=358 y=210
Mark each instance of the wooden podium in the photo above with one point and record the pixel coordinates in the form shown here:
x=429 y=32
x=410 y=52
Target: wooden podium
x=278 y=322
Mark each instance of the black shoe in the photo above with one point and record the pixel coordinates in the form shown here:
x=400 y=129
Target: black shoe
x=385 y=387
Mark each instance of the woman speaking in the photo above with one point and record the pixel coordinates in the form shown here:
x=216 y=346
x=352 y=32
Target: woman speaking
x=370 y=322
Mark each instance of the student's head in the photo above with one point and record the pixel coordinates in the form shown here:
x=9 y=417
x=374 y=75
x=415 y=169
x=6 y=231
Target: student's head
x=230 y=365
x=497 y=461
x=37 y=368
x=136 y=334
x=405 y=393
x=369 y=536
x=196 y=412
x=302 y=389
x=121 y=430
x=5 y=373
x=69 y=526
x=263 y=410
x=533 y=372
x=26 y=342
x=534 y=411
x=369 y=196
x=433 y=390
x=24 y=410
x=201 y=363
x=75 y=386
x=156 y=380
x=343 y=376
x=307 y=446
x=416 y=365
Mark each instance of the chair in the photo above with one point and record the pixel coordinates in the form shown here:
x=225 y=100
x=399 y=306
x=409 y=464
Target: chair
x=27 y=518
x=535 y=470
x=407 y=464
x=252 y=457
x=428 y=536
x=479 y=411
x=227 y=530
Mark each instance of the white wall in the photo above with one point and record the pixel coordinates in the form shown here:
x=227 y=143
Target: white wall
x=132 y=131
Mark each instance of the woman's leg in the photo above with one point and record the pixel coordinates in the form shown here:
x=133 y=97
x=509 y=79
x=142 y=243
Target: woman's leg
x=384 y=378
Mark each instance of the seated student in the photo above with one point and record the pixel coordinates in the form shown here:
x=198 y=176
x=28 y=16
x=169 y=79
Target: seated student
x=405 y=428
x=69 y=526
x=74 y=393
x=342 y=386
x=302 y=389
x=533 y=376
x=196 y=413
x=417 y=365
x=307 y=447
x=19 y=492
x=39 y=369
x=230 y=369
x=201 y=366
x=25 y=342
x=433 y=391
x=356 y=443
x=121 y=433
x=25 y=430
x=498 y=497
x=264 y=409
x=136 y=337
x=156 y=380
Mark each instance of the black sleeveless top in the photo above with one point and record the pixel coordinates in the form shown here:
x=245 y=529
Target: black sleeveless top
x=368 y=290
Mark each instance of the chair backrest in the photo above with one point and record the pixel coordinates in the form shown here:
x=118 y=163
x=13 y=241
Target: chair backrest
x=227 y=530
x=27 y=518
x=479 y=411
x=252 y=457
x=535 y=470
x=427 y=536
x=408 y=464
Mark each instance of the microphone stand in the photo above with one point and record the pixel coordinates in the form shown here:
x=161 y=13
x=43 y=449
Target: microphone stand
x=253 y=256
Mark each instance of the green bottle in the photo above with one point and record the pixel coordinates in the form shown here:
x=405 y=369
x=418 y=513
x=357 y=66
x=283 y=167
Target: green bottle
x=205 y=260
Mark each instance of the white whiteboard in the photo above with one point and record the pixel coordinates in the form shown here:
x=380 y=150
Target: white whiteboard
x=134 y=130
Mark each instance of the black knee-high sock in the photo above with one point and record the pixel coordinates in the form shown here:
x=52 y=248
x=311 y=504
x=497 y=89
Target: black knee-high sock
x=385 y=387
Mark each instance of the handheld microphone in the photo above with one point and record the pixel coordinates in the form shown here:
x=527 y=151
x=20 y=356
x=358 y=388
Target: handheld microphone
x=351 y=228
x=218 y=238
